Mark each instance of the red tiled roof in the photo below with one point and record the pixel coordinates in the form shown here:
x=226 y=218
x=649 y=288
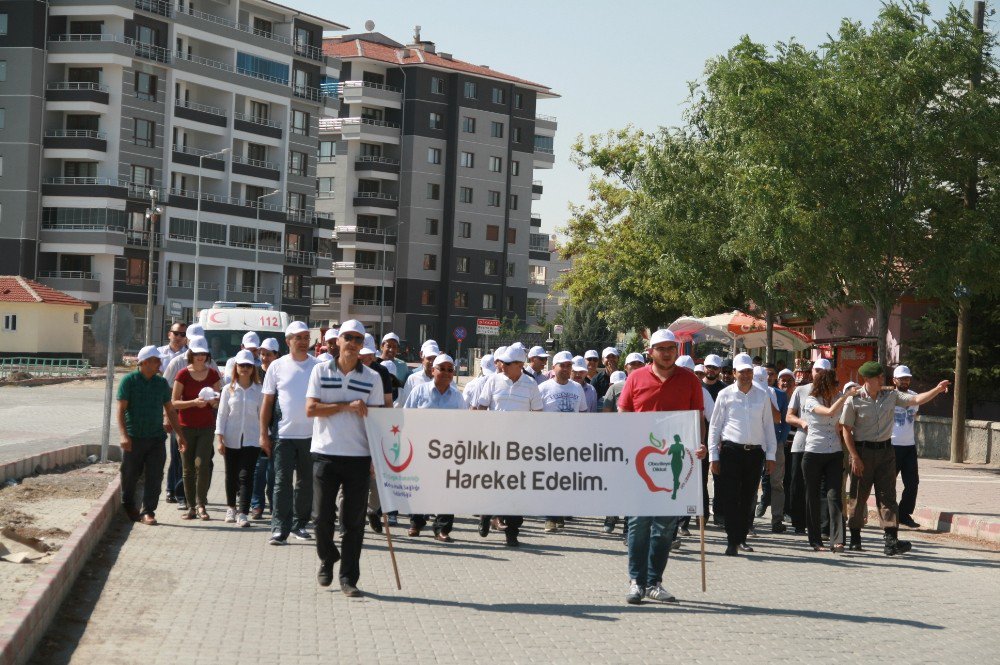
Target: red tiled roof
x=359 y=48
x=19 y=289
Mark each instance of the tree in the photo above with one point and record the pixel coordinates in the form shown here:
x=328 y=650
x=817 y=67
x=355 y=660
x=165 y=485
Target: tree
x=583 y=329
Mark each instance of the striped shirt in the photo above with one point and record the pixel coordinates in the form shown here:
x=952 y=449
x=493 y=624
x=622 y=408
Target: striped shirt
x=343 y=433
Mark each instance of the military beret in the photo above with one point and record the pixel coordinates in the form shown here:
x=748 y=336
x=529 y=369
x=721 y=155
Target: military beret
x=871 y=369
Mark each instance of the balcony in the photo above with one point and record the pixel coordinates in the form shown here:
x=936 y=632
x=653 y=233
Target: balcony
x=71 y=280
x=256 y=168
x=352 y=235
x=75 y=139
x=349 y=272
x=245 y=122
x=159 y=7
x=149 y=51
x=359 y=307
x=370 y=94
x=76 y=91
x=545 y=125
x=200 y=65
x=244 y=293
x=194 y=157
x=376 y=200
x=184 y=289
x=294 y=257
x=366 y=166
x=270 y=40
x=536 y=222
x=85 y=186
x=309 y=51
x=100 y=48
x=358 y=128
x=134 y=238
x=209 y=115
x=536 y=188
x=305 y=92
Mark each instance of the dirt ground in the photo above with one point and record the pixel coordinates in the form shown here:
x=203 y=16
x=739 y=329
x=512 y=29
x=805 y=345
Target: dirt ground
x=36 y=517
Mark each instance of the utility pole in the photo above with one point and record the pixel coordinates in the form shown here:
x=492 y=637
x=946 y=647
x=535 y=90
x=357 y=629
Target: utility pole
x=152 y=216
x=971 y=199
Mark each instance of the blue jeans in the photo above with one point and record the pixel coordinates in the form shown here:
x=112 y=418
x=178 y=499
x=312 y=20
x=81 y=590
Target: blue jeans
x=649 y=541
x=263 y=481
x=292 y=502
x=175 y=472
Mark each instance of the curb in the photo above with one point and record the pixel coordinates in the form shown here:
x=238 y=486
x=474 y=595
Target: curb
x=29 y=620
x=959 y=524
x=41 y=462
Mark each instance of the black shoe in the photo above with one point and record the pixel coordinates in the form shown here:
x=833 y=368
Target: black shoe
x=908 y=521
x=182 y=504
x=761 y=508
x=684 y=531
x=778 y=528
x=609 y=524
x=893 y=546
x=745 y=548
x=349 y=589
x=512 y=542
x=732 y=551
x=484 y=526
x=171 y=498
x=393 y=518
x=325 y=574
x=374 y=522
x=825 y=535
x=799 y=532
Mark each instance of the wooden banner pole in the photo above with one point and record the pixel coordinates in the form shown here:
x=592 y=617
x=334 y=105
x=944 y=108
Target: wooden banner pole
x=701 y=528
x=392 y=552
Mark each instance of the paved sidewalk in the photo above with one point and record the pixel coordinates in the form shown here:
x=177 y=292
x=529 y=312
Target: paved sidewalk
x=210 y=593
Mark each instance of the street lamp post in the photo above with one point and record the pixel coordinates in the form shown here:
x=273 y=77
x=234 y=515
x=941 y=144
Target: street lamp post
x=152 y=216
x=197 y=231
x=256 y=243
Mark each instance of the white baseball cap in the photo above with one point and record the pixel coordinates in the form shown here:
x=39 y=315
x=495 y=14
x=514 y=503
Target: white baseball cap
x=686 y=362
x=591 y=354
x=699 y=368
x=849 y=385
x=392 y=336
x=514 y=354
x=712 y=360
x=580 y=365
x=562 y=357
x=428 y=350
x=389 y=366
x=660 y=336
x=634 y=358
x=251 y=340
x=296 y=327
x=370 y=343
x=431 y=342
x=326 y=356
x=331 y=334
x=537 y=352
x=787 y=372
x=195 y=330
x=207 y=394
x=244 y=357
x=271 y=344
x=498 y=354
x=760 y=376
x=823 y=363
x=901 y=371
x=365 y=351
x=519 y=345
x=618 y=376
x=198 y=345
x=742 y=361
x=487 y=364
x=443 y=358
x=610 y=351
x=147 y=352
x=353 y=326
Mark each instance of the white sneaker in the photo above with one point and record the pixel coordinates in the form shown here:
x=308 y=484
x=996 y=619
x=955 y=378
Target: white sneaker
x=659 y=593
x=635 y=593
x=242 y=520
x=230 y=515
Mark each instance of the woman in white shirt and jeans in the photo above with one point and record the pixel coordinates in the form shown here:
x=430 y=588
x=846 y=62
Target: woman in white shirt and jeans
x=237 y=429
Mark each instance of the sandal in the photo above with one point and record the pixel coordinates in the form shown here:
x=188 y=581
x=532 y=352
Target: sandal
x=189 y=515
x=203 y=514
x=837 y=549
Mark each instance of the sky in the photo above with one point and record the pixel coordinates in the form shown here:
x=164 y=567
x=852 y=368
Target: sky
x=614 y=64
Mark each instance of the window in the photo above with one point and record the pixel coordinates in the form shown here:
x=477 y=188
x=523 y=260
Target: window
x=494 y=199
x=490 y=267
x=461 y=299
x=3 y=70
x=142 y=175
x=513 y=201
x=427 y=297
x=253 y=193
x=511 y=236
x=496 y=129
x=327 y=151
x=471 y=91
x=510 y=303
x=464 y=230
x=437 y=85
x=83 y=122
x=498 y=96
x=325 y=187
x=433 y=191
x=518 y=100
x=3 y=118
x=430 y=261
x=257 y=152
x=489 y=301
x=1 y=166
x=468 y=125
x=297 y=163
x=260 y=111
x=467 y=159
x=291 y=286
x=80 y=169
x=296 y=201
x=371 y=150
x=433 y=155
x=262 y=27
x=465 y=194
x=492 y=232
x=261 y=68
x=3 y=23
x=515 y=167
x=436 y=121
x=145 y=86
x=144 y=130
x=496 y=164
x=136 y=271
x=431 y=226
x=515 y=134
x=9 y=320
x=300 y=122
x=370 y=113
x=510 y=269
x=462 y=264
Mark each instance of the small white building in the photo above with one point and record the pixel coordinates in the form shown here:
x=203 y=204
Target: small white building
x=37 y=320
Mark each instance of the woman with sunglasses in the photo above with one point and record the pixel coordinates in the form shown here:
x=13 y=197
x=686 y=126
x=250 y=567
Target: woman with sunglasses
x=197 y=419
x=237 y=429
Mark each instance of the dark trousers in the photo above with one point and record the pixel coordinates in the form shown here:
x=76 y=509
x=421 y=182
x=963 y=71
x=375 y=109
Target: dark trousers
x=797 y=493
x=823 y=473
x=263 y=482
x=147 y=457
x=740 y=474
x=880 y=472
x=717 y=497
x=240 y=464
x=765 y=490
x=906 y=466
x=333 y=473
x=175 y=470
x=442 y=523
x=787 y=480
x=291 y=456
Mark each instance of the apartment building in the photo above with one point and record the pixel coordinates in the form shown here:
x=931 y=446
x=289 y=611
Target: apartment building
x=205 y=114
x=429 y=171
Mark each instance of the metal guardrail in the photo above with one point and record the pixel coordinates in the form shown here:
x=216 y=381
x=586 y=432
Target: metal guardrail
x=229 y=23
x=68 y=274
x=378 y=160
x=194 y=106
x=76 y=85
x=44 y=366
x=207 y=62
x=75 y=134
x=337 y=124
x=542 y=116
x=259 y=163
x=376 y=195
x=366 y=84
x=246 y=117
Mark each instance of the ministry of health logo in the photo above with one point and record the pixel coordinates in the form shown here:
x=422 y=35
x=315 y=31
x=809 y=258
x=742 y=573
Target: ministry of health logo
x=395 y=451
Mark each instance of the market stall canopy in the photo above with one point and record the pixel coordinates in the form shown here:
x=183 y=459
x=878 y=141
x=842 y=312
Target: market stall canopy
x=749 y=331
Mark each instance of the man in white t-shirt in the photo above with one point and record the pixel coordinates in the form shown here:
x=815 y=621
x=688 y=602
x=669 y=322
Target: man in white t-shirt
x=509 y=390
x=428 y=352
x=390 y=349
x=337 y=400
x=561 y=394
x=286 y=381
x=535 y=368
x=905 y=446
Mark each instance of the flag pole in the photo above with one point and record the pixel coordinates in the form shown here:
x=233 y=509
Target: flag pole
x=392 y=552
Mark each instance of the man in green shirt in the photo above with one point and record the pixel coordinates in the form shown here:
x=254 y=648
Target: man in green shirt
x=143 y=403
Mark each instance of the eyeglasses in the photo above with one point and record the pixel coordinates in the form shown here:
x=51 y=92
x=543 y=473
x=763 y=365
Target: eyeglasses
x=445 y=370
x=179 y=333
x=356 y=339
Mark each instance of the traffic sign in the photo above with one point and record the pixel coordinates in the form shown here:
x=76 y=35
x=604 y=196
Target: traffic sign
x=460 y=333
x=176 y=308
x=487 y=326
x=557 y=329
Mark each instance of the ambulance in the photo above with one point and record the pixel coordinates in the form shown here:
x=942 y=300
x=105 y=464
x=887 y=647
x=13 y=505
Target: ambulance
x=225 y=323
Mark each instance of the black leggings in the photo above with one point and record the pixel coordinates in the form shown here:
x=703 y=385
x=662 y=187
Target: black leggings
x=240 y=465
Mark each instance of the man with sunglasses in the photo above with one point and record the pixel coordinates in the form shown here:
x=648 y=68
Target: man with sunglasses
x=337 y=400
x=428 y=352
x=176 y=346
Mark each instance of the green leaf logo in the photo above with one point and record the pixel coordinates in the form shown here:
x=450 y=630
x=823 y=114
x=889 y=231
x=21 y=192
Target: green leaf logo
x=657 y=443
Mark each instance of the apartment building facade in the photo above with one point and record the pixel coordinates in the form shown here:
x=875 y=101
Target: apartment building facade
x=212 y=106
x=429 y=171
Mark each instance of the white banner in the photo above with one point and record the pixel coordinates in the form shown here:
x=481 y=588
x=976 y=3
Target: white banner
x=495 y=463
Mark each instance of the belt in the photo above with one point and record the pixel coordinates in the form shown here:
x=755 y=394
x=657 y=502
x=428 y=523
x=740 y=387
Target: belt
x=875 y=445
x=741 y=446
